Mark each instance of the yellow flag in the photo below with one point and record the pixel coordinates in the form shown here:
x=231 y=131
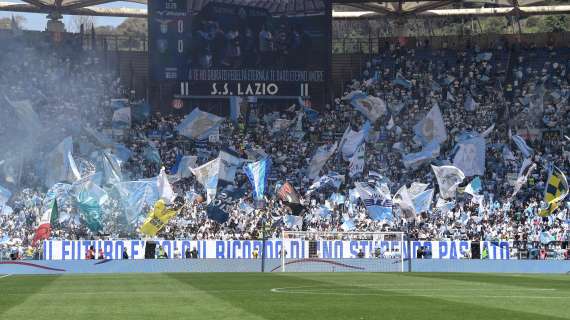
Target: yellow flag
x=157 y=218
x=556 y=190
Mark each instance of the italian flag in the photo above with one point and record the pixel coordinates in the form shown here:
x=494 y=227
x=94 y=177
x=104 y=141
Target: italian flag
x=49 y=217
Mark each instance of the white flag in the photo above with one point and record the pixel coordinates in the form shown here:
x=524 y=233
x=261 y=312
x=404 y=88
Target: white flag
x=207 y=176
x=165 y=191
x=448 y=178
x=352 y=139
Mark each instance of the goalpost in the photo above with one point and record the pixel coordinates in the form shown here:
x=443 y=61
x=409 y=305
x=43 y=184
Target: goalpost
x=309 y=251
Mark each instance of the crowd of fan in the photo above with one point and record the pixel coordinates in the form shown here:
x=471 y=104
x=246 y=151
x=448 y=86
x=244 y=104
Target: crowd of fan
x=508 y=83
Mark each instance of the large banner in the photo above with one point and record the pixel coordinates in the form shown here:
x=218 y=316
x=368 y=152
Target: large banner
x=296 y=249
x=242 y=48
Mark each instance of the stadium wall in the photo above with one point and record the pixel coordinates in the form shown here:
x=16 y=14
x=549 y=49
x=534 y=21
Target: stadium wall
x=274 y=265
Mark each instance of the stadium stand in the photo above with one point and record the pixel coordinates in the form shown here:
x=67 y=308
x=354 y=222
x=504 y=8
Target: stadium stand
x=490 y=95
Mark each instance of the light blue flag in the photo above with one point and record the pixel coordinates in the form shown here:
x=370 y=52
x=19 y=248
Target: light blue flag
x=245 y=207
x=111 y=168
x=470 y=156
x=522 y=146
x=545 y=237
x=348 y=225
x=378 y=203
x=474 y=187
x=152 y=154
x=257 y=173
x=185 y=166
x=431 y=128
x=122 y=152
x=119 y=103
x=470 y=104
x=323 y=212
x=337 y=198
x=122 y=118
x=484 y=56
x=5 y=195
x=90 y=198
x=422 y=202
x=399 y=81
x=197 y=123
x=60 y=165
x=137 y=197
x=428 y=153
x=292 y=221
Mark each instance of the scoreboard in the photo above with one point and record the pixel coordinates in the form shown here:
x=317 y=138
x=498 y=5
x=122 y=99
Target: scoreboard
x=263 y=48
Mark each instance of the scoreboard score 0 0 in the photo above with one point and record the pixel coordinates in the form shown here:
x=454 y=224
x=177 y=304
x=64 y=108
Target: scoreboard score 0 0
x=246 y=48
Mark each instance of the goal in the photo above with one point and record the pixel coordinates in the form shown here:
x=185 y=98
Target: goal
x=306 y=251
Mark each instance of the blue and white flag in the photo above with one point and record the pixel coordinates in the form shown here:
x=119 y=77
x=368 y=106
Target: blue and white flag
x=197 y=123
x=470 y=156
x=352 y=139
x=257 y=173
x=207 y=175
x=525 y=171
x=377 y=203
x=448 y=179
x=322 y=212
x=522 y=146
x=5 y=195
x=122 y=118
x=474 y=187
x=331 y=180
x=443 y=207
x=428 y=153
x=60 y=165
x=292 y=221
x=319 y=159
x=337 y=198
x=371 y=107
x=348 y=224
x=185 y=165
x=230 y=161
x=356 y=165
x=422 y=202
x=431 y=128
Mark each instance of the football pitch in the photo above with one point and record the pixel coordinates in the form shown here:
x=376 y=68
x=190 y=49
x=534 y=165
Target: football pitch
x=313 y=296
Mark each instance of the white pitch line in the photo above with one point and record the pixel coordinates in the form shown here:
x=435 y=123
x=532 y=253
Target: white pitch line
x=5 y=276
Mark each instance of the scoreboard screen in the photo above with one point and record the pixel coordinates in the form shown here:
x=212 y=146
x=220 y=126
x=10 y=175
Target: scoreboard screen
x=277 y=48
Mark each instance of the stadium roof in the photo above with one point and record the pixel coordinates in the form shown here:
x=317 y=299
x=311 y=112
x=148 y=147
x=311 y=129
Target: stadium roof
x=351 y=9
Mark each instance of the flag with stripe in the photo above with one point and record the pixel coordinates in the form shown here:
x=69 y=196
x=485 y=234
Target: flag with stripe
x=556 y=190
x=257 y=173
x=49 y=217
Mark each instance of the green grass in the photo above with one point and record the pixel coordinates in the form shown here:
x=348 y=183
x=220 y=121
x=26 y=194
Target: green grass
x=313 y=296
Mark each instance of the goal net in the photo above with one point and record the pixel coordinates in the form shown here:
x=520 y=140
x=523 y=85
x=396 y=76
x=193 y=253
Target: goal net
x=306 y=251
